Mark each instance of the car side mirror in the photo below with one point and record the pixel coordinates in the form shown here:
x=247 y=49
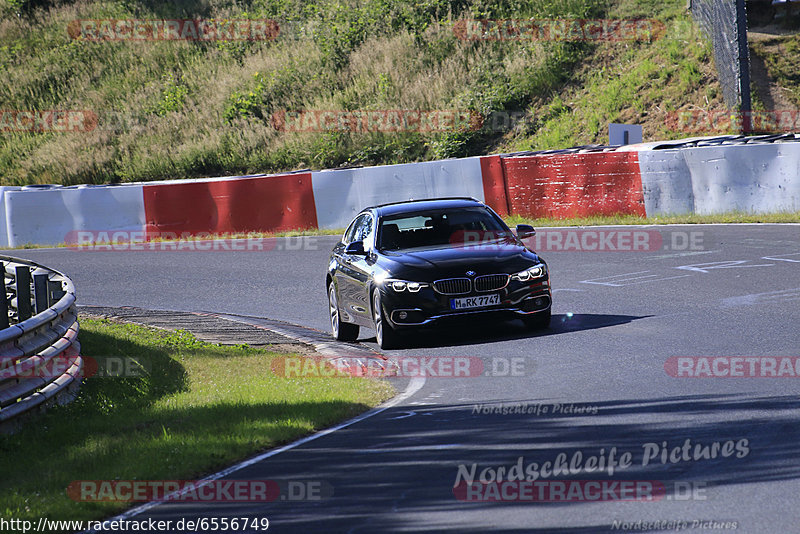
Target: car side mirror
x=525 y=230
x=356 y=248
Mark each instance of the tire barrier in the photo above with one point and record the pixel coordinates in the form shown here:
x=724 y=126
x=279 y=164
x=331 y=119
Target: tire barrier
x=40 y=360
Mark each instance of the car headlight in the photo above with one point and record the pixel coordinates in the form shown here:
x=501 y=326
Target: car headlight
x=403 y=285
x=536 y=271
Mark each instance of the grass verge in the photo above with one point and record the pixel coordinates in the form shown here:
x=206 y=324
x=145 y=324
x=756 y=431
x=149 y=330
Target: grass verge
x=199 y=407
x=781 y=55
x=601 y=220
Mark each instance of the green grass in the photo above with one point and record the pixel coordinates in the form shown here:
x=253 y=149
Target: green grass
x=178 y=109
x=199 y=408
x=724 y=218
x=782 y=58
x=170 y=110
x=631 y=83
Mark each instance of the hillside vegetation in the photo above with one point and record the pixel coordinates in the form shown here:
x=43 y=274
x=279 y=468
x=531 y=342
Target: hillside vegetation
x=178 y=109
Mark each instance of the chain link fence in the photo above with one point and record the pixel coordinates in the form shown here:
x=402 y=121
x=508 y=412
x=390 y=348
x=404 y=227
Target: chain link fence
x=724 y=22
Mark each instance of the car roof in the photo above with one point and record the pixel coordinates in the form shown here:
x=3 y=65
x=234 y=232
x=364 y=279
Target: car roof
x=411 y=206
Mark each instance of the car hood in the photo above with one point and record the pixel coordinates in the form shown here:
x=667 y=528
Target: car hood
x=501 y=256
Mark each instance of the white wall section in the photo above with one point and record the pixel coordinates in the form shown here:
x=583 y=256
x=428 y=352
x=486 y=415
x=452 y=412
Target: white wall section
x=47 y=216
x=666 y=183
x=341 y=194
x=3 y=224
x=752 y=178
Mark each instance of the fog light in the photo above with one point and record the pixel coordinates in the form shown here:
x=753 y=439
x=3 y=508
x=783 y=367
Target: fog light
x=539 y=301
x=402 y=315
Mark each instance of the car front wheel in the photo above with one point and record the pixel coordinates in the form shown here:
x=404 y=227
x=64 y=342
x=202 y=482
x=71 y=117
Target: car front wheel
x=339 y=330
x=387 y=337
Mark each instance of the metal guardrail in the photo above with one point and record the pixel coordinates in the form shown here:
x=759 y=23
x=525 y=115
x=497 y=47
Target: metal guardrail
x=729 y=140
x=40 y=360
x=691 y=142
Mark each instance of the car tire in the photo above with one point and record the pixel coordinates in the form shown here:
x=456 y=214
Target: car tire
x=386 y=336
x=537 y=321
x=340 y=331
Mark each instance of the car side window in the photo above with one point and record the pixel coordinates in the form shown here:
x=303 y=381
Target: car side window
x=359 y=230
x=363 y=229
x=348 y=234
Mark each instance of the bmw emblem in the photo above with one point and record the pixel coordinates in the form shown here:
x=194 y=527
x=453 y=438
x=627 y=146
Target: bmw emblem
x=471 y=273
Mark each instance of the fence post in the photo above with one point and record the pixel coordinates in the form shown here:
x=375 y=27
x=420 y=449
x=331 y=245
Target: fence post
x=744 y=65
x=23 y=281
x=3 y=299
x=40 y=290
x=55 y=292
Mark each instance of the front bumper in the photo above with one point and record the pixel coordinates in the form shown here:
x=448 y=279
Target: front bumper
x=427 y=307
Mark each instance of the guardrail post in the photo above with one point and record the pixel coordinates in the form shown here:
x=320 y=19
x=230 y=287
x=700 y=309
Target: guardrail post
x=3 y=299
x=55 y=292
x=23 y=280
x=40 y=291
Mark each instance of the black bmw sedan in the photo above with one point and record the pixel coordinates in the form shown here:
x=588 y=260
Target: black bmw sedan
x=419 y=263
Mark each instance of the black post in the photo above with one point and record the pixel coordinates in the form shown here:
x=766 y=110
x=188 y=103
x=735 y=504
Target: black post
x=40 y=290
x=54 y=292
x=744 y=65
x=3 y=299
x=23 y=282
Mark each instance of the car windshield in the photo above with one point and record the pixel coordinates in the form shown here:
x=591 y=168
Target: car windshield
x=455 y=227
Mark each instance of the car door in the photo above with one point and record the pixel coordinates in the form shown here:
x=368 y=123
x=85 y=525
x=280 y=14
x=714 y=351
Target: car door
x=360 y=270
x=349 y=273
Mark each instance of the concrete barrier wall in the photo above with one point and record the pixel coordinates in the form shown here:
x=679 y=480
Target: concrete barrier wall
x=231 y=205
x=340 y=194
x=753 y=178
x=574 y=185
x=495 y=186
x=666 y=183
x=46 y=216
x=3 y=222
x=750 y=178
x=700 y=175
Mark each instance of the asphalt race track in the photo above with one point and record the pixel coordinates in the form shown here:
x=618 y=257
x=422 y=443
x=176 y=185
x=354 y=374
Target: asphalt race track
x=619 y=316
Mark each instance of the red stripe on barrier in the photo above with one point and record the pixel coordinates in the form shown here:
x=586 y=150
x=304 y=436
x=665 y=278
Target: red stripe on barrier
x=574 y=185
x=262 y=204
x=494 y=184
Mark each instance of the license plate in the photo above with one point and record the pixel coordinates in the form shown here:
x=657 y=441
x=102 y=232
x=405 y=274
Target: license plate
x=467 y=303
